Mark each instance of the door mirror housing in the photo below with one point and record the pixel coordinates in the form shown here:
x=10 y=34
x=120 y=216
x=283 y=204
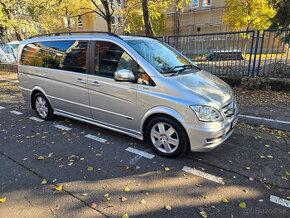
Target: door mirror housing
x=124 y=75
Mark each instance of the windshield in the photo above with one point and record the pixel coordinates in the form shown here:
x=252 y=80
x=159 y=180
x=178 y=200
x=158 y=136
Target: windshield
x=163 y=58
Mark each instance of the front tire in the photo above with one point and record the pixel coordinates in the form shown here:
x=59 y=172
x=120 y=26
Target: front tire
x=166 y=136
x=42 y=107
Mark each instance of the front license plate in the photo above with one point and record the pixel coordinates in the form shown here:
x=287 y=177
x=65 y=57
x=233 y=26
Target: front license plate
x=234 y=122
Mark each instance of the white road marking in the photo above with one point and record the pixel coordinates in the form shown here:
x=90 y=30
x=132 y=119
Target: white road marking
x=96 y=138
x=280 y=201
x=16 y=112
x=141 y=153
x=62 y=127
x=135 y=159
x=36 y=119
x=1 y=108
x=203 y=174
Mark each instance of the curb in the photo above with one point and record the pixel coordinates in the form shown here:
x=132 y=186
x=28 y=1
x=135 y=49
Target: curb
x=269 y=123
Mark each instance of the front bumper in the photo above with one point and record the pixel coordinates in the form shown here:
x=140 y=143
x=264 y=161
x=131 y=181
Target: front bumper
x=209 y=137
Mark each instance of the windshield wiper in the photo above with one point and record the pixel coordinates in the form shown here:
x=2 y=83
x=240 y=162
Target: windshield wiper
x=183 y=67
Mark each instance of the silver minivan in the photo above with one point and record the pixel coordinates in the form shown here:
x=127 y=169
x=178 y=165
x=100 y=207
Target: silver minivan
x=134 y=85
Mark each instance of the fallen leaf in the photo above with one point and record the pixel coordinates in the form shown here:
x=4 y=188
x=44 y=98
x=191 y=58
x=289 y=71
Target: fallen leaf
x=242 y=205
x=106 y=195
x=166 y=168
x=127 y=189
x=248 y=168
x=143 y=201
x=251 y=179
x=44 y=181
x=125 y=216
x=25 y=158
x=168 y=207
x=203 y=213
x=58 y=188
x=245 y=190
x=147 y=193
x=269 y=156
x=57 y=207
x=105 y=186
x=84 y=194
x=268 y=146
x=123 y=199
x=50 y=154
x=82 y=158
x=93 y=205
x=225 y=201
x=287 y=173
x=288 y=197
x=137 y=167
x=40 y=158
x=262 y=156
x=2 y=200
x=205 y=197
x=110 y=205
x=90 y=168
x=261 y=200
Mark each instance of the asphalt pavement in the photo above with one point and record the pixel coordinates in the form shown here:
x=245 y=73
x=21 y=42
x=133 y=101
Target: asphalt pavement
x=102 y=173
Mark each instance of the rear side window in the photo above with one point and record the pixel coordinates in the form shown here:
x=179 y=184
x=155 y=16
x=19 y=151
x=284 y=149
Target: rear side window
x=35 y=54
x=62 y=55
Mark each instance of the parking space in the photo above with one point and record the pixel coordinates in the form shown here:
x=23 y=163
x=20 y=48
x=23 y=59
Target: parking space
x=104 y=173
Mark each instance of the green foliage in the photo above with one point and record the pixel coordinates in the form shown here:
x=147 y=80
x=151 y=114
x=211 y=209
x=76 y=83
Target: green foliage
x=248 y=14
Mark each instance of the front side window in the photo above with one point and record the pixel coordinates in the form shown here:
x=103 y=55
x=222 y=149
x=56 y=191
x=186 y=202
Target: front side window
x=110 y=58
x=206 y=3
x=163 y=58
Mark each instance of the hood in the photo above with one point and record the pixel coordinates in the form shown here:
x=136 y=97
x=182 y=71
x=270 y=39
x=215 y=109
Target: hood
x=205 y=85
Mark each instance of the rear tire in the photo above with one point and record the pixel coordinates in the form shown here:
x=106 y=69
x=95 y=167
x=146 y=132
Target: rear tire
x=42 y=107
x=166 y=136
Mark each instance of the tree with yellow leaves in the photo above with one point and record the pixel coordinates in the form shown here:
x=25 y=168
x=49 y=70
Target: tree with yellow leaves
x=248 y=14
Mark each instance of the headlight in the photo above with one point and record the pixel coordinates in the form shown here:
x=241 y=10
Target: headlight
x=206 y=113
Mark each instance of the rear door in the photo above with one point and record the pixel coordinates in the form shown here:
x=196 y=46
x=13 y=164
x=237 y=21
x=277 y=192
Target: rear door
x=67 y=77
x=112 y=103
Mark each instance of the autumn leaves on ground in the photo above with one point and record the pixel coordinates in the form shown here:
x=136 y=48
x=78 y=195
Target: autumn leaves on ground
x=47 y=171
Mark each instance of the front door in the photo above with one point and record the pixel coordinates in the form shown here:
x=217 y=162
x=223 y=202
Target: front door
x=112 y=103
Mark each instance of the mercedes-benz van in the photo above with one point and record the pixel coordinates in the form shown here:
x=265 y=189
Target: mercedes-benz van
x=138 y=86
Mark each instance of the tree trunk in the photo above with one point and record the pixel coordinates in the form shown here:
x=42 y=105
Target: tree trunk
x=148 y=26
x=109 y=25
x=176 y=20
x=17 y=30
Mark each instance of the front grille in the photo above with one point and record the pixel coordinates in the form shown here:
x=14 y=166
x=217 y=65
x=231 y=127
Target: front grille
x=229 y=109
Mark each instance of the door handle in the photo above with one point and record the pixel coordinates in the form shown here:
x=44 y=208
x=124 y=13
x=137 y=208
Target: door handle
x=94 y=83
x=80 y=80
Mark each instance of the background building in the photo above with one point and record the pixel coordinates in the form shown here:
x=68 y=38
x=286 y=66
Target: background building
x=201 y=16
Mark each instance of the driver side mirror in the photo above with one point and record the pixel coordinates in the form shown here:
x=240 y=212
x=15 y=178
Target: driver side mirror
x=124 y=75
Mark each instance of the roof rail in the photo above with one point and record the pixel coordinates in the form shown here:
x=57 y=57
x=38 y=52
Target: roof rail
x=76 y=32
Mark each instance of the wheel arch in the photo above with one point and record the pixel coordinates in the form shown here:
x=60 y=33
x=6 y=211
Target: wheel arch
x=36 y=90
x=161 y=111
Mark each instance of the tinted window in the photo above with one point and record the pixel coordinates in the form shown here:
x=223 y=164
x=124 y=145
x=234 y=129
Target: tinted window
x=68 y=55
x=35 y=54
x=63 y=55
x=110 y=58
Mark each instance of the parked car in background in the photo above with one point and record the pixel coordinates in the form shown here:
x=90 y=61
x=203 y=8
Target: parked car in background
x=138 y=86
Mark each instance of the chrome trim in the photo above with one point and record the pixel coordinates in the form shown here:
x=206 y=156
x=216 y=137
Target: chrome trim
x=90 y=107
x=134 y=134
x=24 y=89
